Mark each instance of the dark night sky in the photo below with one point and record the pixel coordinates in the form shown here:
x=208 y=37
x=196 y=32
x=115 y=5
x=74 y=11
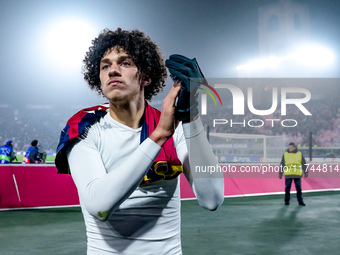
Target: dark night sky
x=220 y=34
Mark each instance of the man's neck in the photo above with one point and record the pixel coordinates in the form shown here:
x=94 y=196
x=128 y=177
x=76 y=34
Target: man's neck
x=129 y=114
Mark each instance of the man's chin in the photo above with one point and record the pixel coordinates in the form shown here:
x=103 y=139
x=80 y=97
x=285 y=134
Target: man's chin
x=124 y=98
x=119 y=100
x=115 y=97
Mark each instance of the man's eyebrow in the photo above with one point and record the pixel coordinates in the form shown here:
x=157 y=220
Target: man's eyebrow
x=120 y=58
x=123 y=57
x=105 y=60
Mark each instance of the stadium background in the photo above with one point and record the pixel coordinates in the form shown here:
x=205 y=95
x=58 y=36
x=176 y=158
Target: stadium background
x=42 y=45
x=242 y=39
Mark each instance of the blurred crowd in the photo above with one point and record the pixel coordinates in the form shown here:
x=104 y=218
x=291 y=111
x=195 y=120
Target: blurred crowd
x=23 y=126
x=324 y=123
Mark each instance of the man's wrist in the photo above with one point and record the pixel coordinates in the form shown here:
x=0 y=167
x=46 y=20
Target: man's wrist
x=193 y=128
x=159 y=137
x=192 y=119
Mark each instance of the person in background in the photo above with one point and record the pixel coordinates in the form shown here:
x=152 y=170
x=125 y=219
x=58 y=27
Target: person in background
x=32 y=154
x=293 y=165
x=41 y=154
x=6 y=153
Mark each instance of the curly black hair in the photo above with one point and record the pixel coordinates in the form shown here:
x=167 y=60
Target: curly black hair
x=145 y=54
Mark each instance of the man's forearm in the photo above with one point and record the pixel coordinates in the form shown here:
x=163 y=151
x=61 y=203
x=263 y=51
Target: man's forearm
x=103 y=191
x=208 y=187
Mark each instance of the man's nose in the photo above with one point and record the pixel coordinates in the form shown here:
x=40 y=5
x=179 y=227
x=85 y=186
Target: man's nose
x=114 y=71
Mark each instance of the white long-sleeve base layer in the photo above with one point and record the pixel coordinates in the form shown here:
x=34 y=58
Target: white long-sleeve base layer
x=122 y=217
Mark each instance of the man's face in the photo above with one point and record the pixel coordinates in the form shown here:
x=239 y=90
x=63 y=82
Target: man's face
x=291 y=148
x=119 y=77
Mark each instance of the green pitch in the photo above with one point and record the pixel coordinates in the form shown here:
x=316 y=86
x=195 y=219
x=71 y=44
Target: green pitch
x=241 y=226
x=49 y=159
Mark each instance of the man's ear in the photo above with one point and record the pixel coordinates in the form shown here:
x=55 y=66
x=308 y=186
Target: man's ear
x=146 y=81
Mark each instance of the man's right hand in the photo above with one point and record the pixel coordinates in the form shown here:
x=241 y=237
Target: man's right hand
x=167 y=122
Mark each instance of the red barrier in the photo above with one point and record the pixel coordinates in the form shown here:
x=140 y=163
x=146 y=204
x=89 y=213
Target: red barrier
x=36 y=186
x=8 y=194
x=42 y=186
x=240 y=180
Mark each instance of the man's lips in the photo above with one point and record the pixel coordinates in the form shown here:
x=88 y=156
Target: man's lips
x=114 y=82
